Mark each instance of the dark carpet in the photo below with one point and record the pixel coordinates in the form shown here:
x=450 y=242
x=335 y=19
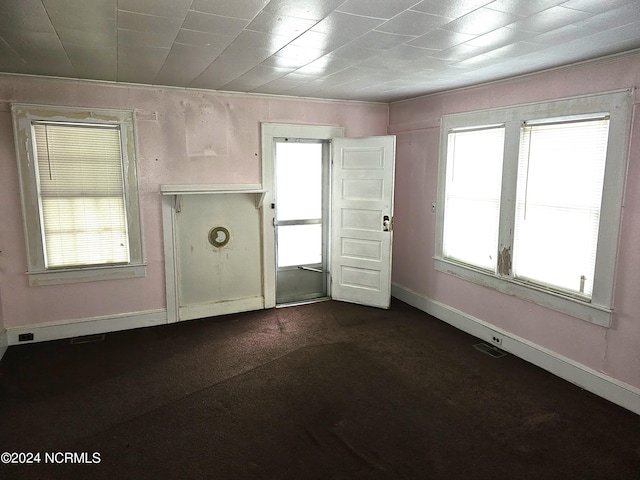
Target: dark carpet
x=322 y=391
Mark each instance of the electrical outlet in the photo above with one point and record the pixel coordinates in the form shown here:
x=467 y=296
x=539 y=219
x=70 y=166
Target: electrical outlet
x=25 y=337
x=496 y=340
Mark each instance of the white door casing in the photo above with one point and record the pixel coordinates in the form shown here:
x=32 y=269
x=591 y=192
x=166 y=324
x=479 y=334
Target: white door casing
x=361 y=220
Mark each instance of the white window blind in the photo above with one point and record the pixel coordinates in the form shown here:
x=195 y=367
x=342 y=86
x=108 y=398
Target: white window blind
x=81 y=192
x=472 y=195
x=558 y=198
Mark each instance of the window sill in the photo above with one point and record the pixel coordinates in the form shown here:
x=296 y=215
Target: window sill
x=574 y=307
x=88 y=274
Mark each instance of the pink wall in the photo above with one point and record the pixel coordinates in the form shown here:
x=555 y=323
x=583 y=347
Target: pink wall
x=614 y=351
x=183 y=137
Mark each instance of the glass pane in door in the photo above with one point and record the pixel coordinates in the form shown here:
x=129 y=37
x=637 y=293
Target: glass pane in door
x=299 y=181
x=299 y=245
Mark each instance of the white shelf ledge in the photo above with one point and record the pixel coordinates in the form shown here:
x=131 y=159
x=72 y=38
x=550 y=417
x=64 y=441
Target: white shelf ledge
x=209 y=189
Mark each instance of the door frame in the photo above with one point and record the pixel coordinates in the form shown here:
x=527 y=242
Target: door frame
x=269 y=132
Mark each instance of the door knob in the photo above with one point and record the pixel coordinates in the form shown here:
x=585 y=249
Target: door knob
x=386 y=223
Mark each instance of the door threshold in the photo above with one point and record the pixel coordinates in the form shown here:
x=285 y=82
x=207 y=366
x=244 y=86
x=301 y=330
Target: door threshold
x=303 y=302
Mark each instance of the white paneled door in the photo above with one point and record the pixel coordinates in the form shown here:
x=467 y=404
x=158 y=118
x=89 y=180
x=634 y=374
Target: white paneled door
x=362 y=213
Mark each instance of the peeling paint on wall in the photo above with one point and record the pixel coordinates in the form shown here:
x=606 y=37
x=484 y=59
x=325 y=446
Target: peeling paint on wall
x=504 y=261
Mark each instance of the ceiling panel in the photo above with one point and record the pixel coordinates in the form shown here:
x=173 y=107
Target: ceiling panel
x=376 y=8
x=378 y=50
x=162 y=8
x=414 y=23
x=185 y=63
x=244 y=9
x=204 y=22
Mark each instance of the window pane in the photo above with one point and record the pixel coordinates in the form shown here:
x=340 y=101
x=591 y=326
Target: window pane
x=472 y=196
x=299 y=245
x=81 y=190
x=298 y=181
x=559 y=193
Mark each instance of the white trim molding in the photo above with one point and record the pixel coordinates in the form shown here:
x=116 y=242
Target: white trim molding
x=609 y=388
x=86 y=326
x=268 y=133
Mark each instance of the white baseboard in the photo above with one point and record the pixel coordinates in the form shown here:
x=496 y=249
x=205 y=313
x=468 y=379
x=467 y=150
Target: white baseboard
x=4 y=343
x=607 y=387
x=87 y=326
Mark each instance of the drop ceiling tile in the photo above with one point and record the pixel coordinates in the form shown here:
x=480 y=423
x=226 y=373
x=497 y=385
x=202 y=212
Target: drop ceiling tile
x=558 y=36
x=85 y=23
x=162 y=8
x=612 y=19
x=612 y=36
x=303 y=77
x=203 y=39
x=34 y=46
x=309 y=9
x=381 y=40
x=184 y=63
x=354 y=54
x=319 y=40
x=440 y=39
x=500 y=37
x=278 y=86
x=597 y=6
x=285 y=62
x=238 y=55
x=42 y=53
x=523 y=7
x=220 y=72
x=95 y=38
x=297 y=54
x=514 y=50
x=244 y=9
x=282 y=25
x=257 y=76
x=232 y=63
x=376 y=8
x=457 y=53
x=27 y=16
x=413 y=23
x=449 y=8
x=325 y=65
x=402 y=54
x=10 y=61
x=250 y=40
x=306 y=90
x=80 y=8
x=204 y=22
x=550 y=19
x=139 y=22
x=140 y=64
x=153 y=38
x=481 y=21
x=97 y=63
x=346 y=25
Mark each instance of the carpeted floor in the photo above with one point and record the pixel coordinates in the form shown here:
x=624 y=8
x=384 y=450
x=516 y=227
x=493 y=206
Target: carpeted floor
x=322 y=391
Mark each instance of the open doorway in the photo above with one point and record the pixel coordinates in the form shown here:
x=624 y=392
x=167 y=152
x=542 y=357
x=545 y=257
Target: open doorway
x=332 y=236
x=301 y=174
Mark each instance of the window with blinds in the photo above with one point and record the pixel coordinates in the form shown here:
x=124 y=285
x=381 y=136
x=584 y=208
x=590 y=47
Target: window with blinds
x=81 y=193
x=529 y=200
x=472 y=199
x=559 y=193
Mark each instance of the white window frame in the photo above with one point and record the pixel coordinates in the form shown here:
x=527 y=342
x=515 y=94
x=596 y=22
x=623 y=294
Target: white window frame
x=24 y=115
x=599 y=308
